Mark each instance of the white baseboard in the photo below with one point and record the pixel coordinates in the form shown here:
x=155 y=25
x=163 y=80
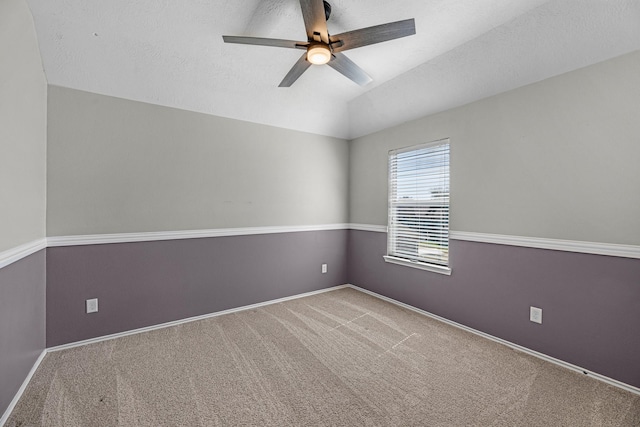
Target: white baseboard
x=22 y=388
x=17 y=397
x=526 y=350
x=189 y=319
x=534 y=353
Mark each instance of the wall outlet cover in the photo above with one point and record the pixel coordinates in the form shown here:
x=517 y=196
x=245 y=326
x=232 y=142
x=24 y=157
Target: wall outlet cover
x=92 y=305
x=535 y=315
x=324 y=268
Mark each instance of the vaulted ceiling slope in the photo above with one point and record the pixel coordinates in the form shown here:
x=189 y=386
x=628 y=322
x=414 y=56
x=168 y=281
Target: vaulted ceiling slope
x=171 y=53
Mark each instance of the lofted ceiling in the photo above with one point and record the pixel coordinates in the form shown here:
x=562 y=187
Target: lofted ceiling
x=171 y=53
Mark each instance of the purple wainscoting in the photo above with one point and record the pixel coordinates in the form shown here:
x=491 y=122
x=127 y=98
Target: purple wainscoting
x=148 y=283
x=22 y=322
x=591 y=303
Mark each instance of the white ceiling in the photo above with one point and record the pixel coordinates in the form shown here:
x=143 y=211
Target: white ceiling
x=170 y=52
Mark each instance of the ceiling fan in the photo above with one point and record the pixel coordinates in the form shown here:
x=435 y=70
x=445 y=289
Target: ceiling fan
x=323 y=48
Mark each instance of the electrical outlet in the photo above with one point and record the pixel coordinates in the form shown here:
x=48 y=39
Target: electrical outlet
x=324 y=268
x=92 y=305
x=535 y=314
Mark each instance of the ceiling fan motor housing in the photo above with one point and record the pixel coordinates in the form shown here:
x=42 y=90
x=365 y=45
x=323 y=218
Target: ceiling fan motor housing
x=327 y=10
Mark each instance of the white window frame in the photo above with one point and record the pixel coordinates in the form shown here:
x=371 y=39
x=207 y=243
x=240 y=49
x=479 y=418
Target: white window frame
x=439 y=262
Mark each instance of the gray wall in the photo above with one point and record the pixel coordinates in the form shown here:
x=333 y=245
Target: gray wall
x=590 y=303
x=23 y=103
x=556 y=159
x=22 y=322
x=23 y=126
x=147 y=283
x=118 y=166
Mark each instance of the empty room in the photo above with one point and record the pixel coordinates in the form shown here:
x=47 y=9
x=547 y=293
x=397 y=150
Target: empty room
x=307 y=213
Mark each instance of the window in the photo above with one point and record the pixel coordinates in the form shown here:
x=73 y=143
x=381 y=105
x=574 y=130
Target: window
x=418 y=234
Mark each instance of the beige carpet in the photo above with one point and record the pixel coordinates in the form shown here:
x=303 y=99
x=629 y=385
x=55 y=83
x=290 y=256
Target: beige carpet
x=339 y=358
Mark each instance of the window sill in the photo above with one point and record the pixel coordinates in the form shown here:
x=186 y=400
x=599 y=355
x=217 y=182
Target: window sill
x=416 y=264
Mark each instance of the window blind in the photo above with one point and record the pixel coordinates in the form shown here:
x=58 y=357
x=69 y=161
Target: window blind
x=419 y=203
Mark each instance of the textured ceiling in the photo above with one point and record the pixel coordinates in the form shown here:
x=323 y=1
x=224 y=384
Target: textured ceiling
x=171 y=53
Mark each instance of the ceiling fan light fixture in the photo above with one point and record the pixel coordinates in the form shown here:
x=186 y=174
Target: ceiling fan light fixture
x=318 y=54
x=321 y=48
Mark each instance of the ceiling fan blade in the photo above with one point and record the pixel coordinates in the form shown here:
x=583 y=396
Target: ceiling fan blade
x=372 y=35
x=296 y=71
x=347 y=67
x=314 y=19
x=260 y=41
